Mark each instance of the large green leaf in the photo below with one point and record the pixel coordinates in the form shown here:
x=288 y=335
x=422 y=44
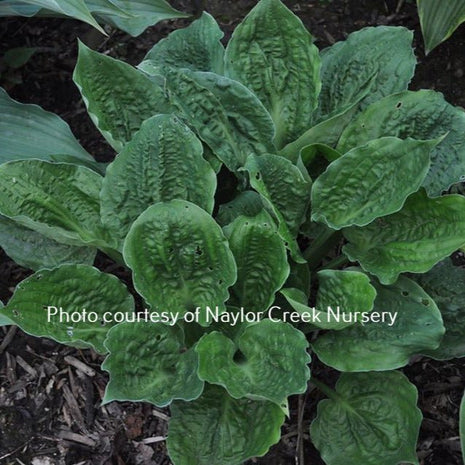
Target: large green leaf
x=439 y=20
x=226 y=115
x=273 y=54
x=372 y=419
x=412 y=324
x=379 y=59
x=4 y=321
x=217 y=429
x=57 y=200
x=261 y=258
x=118 y=97
x=445 y=283
x=414 y=239
x=17 y=7
x=370 y=181
x=33 y=250
x=196 y=47
x=268 y=361
x=180 y=258
x=28 y=131
x=246 y=203
x=148 y=362
x=72 y=304
x=286 y=190
x=162 y=162
x=420 y=115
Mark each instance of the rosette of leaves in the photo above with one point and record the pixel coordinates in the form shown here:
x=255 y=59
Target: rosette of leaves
x=335 y=161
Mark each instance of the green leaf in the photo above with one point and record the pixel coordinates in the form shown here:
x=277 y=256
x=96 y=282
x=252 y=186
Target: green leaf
x=372 y=420
x=16 y=7
x=414 y=239
x=247 y=203
x=287 y=192
x=149 y=363
x=379 y=59
x=273 y=54
x=217 y=429
x=134 y=16
x=33 y=250
x=408 y=322
x=349 y=290
x=162 y=162
x=51 y=303
x=261 y=258
x=4 y=321
x=180 y=258
x=268 y=361
x=445 y=283
x=439 y=20
x=57 y=200
x=17 y=57
x=420 y=115
x=197 y=47
x=28 y=131
x=227 y=116
x=370 y=181
x=462 y=426
x=118 y=97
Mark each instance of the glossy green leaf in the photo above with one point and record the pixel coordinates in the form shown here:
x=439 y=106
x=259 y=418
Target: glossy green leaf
x=180 y=258
x=287 y=192
x=196 y=47
x=28 y=131
x=217 y=429
x=375 y=59
x=162 y=162
x=4 y=321
x=439 y=20
x=247 y=203
x=17 y=7
x=420 y=115
x=370 y=181
x=272 y=53
x=372 y=419
x=227 y=116
x=33 y=250
x=445 y=283
x=261 y=258
x=57 y=200
x=268 y=361
x=414 y=239
x=408 y=322
x=72 y=304
x=118 y=97
x=149 y=363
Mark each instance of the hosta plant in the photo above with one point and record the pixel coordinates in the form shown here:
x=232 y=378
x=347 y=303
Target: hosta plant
x=271 y=202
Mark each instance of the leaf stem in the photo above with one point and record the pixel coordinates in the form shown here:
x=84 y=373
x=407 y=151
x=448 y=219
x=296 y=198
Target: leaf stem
x=336 y=263
x=114 y=255
x=326 y=390
x=320 y=247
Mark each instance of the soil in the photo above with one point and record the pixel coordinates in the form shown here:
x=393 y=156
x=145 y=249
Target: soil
x=50 y=394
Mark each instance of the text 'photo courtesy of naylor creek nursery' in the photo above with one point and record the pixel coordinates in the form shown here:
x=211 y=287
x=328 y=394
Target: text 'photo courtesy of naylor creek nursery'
x=232 y=232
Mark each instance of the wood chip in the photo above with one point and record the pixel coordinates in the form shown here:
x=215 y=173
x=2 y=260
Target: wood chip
x=26 y=367
x=79 y=438
x=161 y=415
x=73 y=407
x=8 y=338
x=70 y=360
x=153 y=440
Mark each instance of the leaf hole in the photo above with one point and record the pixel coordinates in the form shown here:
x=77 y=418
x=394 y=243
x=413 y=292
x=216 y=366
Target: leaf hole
x=425 y=302
x=405 y=293
x=38 y=277
x=158 y=337
x=220 y=281
x=399 y=104
x=15 y=312
x=239 y=358
x=257 y=176
x=198 y=251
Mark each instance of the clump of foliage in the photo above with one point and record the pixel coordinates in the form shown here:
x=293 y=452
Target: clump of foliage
x=242 y=174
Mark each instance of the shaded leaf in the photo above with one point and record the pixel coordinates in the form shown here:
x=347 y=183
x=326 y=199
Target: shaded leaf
x=247 y=203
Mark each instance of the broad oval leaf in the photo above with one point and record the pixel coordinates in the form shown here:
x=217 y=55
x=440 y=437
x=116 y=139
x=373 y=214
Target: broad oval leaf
x=28 y=131
x=180 y=258
x=227 y=116
x=217 y=429
x=272 y=53
x=423 y=114
x=268 y=361
x=118 y=97
x=196 y=47
x=445 y=283
x=261 y=258
x=408 y=322
x=35 y=251
x=162 y=162
x=286 y=190
x=73 y=304
x=379 y=60
x=57 y=200
x=370 y=181
x=414 y=239
x=372 y=419
x=246 y=203
x=148 y=362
